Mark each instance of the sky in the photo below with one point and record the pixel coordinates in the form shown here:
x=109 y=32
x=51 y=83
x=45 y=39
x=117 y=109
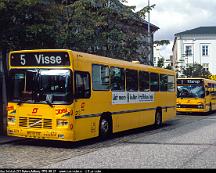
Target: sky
x=174 y=16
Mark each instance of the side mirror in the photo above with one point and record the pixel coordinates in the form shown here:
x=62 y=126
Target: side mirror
x=207 y=93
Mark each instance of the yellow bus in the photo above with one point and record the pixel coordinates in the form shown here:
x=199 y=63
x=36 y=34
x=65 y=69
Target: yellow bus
x=196 y=95
x=71 y=96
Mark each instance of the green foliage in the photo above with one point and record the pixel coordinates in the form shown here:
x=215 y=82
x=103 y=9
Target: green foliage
x=161 y=42
x=160 y=62
x=143 y=11
x=196 y=70
x=169 y=67
x=27 y=24
x=103 y=27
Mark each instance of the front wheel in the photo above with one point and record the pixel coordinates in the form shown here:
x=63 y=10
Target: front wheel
x=105 y=128
x=158 y=119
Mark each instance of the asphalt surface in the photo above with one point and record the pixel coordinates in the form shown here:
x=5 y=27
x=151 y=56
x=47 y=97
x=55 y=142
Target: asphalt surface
x=191 y=145
x=188 y=141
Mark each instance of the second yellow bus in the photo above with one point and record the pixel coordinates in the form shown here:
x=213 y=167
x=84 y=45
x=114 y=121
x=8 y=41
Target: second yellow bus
x=196 y=95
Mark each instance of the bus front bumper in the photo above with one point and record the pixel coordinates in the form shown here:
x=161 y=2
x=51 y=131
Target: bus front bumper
x=190 y=110
x=62 y=135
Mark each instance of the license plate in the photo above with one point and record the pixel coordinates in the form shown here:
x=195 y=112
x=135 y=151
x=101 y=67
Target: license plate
x=33 y=134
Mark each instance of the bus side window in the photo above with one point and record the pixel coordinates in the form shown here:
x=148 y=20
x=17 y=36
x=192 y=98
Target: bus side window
x=117 y=79
x=82 y=85
x=100 y=77
x=131 y=80
x=171 y=83
x=143 y=81
x=154 y=82
x=163 y=82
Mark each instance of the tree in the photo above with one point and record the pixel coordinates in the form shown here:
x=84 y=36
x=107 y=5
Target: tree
x=196 y=70
x=160 y=62
x=146 y=9
x=169 y=67
x=161 y=42
x=27 y=24
x=103 y=27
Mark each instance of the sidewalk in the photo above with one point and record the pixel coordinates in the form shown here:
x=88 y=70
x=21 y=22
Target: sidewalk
x=8 y=139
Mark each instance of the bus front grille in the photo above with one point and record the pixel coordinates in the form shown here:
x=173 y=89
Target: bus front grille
x=188 y=106
x=35 y=122
x=47 y=124
x=23 y=121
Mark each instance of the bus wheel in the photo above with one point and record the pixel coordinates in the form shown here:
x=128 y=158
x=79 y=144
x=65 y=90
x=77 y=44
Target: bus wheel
x=105 y=128
x=158 y=119
x=210 y=108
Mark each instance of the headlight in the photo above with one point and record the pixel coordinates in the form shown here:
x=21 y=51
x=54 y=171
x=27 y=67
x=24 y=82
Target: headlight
x=200 y=106
x=11 y=120
x=61 y=122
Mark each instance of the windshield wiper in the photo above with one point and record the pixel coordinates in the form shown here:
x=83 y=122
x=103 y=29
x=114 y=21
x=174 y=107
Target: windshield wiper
x=21 y=101
x=49 y=103
x=49 y=97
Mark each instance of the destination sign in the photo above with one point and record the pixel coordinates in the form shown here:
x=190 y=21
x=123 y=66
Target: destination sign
x=190 y=81
x=40 y=59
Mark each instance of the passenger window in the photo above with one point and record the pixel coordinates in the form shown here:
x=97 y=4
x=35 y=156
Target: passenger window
x=117 y=79
x=154 y=82
x=100 y=77
x=171 y=83
x=131 y=80
x=82 y=82
x=163 y=82
x=143 y=81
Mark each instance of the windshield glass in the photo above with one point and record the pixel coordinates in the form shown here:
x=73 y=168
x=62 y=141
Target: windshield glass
x=190 y=91
x=40 y=86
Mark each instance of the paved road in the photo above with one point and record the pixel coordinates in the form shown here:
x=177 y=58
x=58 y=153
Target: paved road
x=188 y=141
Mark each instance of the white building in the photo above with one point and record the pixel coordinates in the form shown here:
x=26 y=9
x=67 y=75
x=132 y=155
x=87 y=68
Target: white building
x=195 y=46
x=158 y=56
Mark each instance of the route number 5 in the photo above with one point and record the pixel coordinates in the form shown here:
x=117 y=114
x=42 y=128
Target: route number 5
x=22 y=60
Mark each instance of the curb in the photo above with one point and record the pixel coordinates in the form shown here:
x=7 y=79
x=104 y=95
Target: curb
x=9 y=139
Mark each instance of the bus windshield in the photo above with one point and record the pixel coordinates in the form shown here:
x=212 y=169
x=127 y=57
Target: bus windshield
x=190 y=91
x=40 y=86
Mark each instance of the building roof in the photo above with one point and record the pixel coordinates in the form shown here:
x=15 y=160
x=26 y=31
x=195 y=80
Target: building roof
x=199 y=31
x=134 y=16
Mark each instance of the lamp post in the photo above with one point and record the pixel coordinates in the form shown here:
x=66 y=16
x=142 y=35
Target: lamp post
x=149 y=36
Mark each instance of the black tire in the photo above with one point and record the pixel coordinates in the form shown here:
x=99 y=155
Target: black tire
x=210 y=108
x=158 y=119
x=105 y=128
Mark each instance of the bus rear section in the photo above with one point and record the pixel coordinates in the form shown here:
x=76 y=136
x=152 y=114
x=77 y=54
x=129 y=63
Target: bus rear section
x=193 y=95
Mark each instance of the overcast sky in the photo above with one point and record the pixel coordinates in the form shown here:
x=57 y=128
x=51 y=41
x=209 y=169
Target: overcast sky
x=173 y=16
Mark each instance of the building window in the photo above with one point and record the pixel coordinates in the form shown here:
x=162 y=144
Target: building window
x=206 y=66
x=188 y=50
x=205 y=50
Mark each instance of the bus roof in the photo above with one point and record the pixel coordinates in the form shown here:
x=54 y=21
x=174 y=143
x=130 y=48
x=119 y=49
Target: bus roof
x=101 y=59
